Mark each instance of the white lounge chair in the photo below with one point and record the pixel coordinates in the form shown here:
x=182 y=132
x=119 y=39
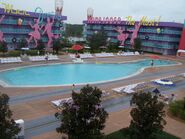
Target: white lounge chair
x=183 y=74
x=105 y=94
x=78 y=60
x=60 y=102
x=128 y=53
x=104 y=55
x=86 y=55
x=83 y=56
x=37 y=58
x=163 y=82
x=126 y=89
x=137 y=53
x=10 y=60
x=53 y=57
x=72 y=56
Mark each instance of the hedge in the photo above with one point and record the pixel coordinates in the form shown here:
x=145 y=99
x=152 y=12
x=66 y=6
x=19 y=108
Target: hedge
x=177 y=109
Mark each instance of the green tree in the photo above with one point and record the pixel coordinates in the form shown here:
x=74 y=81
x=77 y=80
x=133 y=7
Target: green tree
x=137 y=44
x=3 y=47
x=8 y=127
x=97 y=39
x=65 y=42
x=74 y=30
x=41 y=47
x=147 y=116
x=22 y=43
x=84 y=117
x=56 y=46
x=113 y=47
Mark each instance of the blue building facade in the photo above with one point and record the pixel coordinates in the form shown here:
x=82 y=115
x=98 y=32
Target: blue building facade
x=163 y=38
x=15 y=25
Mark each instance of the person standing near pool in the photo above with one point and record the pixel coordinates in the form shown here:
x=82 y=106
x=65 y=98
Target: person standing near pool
x=73 y=87
x=152 y=63
x=47 y=57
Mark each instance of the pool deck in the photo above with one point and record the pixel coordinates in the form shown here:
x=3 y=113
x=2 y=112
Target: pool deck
x=34 y=103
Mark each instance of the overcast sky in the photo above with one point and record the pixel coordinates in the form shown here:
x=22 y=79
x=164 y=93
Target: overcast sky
x=76 y=10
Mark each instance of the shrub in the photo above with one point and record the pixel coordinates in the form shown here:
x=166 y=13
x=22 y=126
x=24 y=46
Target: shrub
x=22 y=43
x=14 y=53
x=177 y=109
x=124 y=134
x=32 y=52
x=137 y=44
x=3 y=47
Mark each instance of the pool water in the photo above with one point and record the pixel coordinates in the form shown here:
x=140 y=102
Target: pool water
x=67 y=74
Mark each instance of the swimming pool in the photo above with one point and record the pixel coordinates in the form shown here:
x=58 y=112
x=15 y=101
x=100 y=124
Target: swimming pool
x=67 y=74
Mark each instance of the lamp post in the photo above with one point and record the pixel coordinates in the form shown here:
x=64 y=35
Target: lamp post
x=184 y=103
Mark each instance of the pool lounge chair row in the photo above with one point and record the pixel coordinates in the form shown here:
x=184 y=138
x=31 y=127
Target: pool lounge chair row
x=37 y=58
x=83 y=56
x=31 y=58
x=43 y=58
x=129 y=89
x=10 y=60
x=88 y=55
x=104 y=55
x=126 y=89
x=128 y=53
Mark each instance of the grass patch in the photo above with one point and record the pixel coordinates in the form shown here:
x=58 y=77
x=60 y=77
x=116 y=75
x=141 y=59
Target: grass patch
x=123 y=134
x=177 y=109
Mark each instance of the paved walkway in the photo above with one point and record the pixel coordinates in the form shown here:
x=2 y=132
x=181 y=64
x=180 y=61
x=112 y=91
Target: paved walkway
x=114 y=105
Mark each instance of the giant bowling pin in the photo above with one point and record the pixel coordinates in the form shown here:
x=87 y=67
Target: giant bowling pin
x=90 y=12
x=58 y=7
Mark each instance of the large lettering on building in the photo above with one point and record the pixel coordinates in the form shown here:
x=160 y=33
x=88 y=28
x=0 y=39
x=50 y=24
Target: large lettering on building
x=104 y=20
x=145 y=21
x=8 y=8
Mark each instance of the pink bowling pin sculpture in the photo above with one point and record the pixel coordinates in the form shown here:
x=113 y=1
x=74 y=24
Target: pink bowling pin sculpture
x=135 y=33
x=48 y=30
x=1 y=33
x=35 y=35
x=122 y=36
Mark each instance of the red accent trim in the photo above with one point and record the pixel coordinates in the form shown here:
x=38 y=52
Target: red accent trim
x=182 y=41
